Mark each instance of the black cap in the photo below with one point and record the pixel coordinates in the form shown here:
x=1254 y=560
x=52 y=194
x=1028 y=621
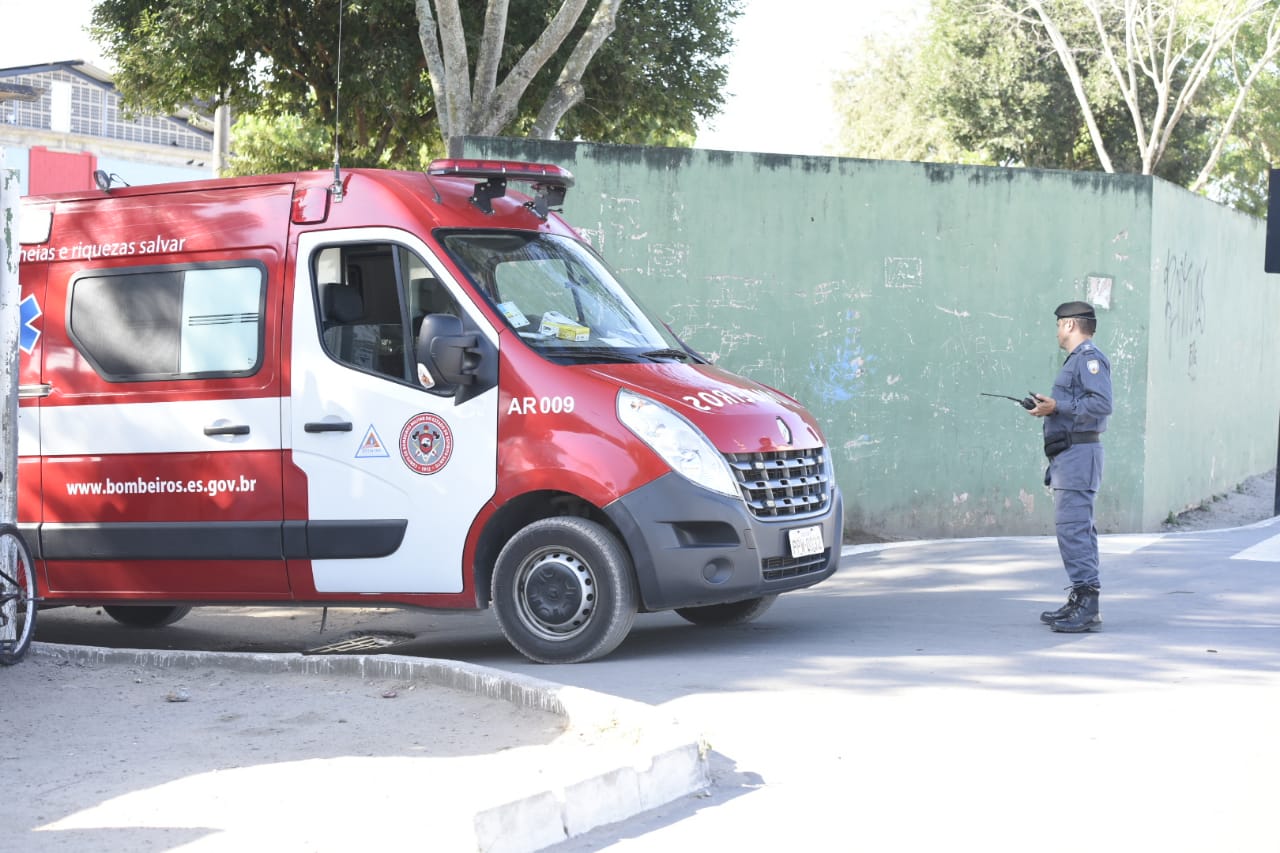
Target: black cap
x=1075 y=309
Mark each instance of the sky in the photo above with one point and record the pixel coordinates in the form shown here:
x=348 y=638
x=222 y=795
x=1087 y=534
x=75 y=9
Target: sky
x=780 y=71
x=787 y=55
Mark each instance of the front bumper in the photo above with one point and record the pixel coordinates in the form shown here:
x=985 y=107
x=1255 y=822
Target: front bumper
x=693 y=547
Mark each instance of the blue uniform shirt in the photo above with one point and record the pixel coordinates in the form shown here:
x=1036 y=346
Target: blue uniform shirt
x=1082 y=391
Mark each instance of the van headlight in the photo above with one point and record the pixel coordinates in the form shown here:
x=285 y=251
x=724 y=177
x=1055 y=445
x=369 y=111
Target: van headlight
x=680 y=444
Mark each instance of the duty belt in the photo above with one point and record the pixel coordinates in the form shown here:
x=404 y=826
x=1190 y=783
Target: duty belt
x=1058 y=442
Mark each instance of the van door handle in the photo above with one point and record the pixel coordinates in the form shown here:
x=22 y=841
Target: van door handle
x=327 y=426
x=230 y=429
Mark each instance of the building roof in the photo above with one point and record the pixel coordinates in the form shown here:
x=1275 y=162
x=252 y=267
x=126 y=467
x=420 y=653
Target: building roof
x=190 y=120
x=16 y=92
x=75 y=66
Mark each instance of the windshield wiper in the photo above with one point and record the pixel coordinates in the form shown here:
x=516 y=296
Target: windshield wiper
x=672 y=354
x=667 y=353
x=601 y=353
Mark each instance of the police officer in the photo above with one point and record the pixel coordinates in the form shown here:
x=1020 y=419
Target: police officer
x=1075 y=416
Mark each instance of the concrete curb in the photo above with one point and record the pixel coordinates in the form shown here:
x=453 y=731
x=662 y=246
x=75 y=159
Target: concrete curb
x=654 y=759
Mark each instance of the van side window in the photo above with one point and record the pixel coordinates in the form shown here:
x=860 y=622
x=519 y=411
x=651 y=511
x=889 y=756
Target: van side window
x=371 y=299
x=170 y=322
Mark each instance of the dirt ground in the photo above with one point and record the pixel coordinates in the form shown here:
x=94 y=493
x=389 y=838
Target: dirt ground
x=1249 y=502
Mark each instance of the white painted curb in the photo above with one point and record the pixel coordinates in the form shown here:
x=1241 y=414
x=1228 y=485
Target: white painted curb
x=652 y=759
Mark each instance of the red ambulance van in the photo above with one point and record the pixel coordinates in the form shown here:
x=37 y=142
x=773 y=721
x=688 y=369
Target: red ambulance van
x=390 y=388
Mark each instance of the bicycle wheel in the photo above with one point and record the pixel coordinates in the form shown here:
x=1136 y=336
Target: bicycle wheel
x=17 y=596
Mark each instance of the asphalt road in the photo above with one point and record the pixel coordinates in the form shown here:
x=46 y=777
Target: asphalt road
x=914 y=701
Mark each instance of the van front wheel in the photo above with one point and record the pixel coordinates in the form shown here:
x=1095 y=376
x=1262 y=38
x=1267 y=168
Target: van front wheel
x=564 y=591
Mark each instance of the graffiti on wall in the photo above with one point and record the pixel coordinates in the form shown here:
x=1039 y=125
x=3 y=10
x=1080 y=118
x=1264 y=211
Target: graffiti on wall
x=982 y=358
x=903 y=273
x=1184 y=304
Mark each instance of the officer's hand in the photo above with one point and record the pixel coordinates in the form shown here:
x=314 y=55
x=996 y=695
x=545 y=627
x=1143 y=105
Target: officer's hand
x=1044 y=406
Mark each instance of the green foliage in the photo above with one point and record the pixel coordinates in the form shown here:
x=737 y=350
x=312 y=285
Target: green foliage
x=881 y=117
x=979 y=86
x=1254 y=145
x=266 y=145
x=277 y=59
x=659 y=73
x=277 y=63
x=999 y=91
x=975 y=89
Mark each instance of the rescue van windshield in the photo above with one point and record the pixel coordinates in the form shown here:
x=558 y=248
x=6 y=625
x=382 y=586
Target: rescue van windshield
x=561 y=299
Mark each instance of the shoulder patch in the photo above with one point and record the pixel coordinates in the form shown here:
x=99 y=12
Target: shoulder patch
x=1093 y=365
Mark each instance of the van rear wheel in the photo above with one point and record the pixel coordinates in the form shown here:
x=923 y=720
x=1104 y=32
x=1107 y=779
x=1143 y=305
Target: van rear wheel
x=564 y=591
x=17 y=595
x=146 y=615
x=727 y=614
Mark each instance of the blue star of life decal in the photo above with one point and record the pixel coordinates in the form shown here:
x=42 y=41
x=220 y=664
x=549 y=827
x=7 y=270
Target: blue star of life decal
x=29 y=334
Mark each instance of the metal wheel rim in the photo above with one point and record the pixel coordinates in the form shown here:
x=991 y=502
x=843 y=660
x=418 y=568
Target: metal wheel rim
x=544 y=575
x=16 y=612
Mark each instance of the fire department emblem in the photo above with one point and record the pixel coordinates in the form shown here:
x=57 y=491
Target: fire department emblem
x=426 y=443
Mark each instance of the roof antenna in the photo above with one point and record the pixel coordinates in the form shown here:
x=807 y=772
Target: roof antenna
x=335 y=189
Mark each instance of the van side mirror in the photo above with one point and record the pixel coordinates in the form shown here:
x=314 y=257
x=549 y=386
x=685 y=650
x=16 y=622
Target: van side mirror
x=449 y=355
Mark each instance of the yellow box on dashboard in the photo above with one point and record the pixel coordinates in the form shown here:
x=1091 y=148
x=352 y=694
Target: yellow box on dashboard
x=556 y=325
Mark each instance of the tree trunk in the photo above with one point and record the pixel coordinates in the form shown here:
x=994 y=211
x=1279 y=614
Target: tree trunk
x=1077 y=83
x=430 y=41
x=506 y=98
x=491 y=42
x=483 y=104
x=568 y=91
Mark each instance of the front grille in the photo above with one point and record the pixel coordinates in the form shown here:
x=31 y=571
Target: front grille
x=779 y=568
x=781 y=484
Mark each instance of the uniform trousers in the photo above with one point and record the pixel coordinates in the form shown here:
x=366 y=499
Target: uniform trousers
x=1075 y=476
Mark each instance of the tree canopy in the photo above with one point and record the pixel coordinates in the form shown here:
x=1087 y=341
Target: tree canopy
x=1189 y=91
x=649 y=72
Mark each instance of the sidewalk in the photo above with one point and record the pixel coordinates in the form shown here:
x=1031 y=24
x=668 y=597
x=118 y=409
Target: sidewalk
x=124 y=750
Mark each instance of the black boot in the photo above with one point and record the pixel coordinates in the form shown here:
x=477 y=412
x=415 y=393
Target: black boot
x=1085 y=617
x=1050 y=616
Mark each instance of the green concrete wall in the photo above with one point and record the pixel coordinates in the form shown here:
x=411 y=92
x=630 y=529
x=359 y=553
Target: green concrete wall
x=887 y=295
x=1213 y=388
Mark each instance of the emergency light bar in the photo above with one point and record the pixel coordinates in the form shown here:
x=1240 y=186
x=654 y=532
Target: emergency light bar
x=509 y=169
x=549 y=182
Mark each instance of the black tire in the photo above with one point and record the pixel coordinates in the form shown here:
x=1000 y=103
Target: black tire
x=736 y=613
x=146 y=615
x=17 y=596
x=564 y=591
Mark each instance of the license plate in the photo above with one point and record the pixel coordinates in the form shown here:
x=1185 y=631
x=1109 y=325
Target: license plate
x=805 y=541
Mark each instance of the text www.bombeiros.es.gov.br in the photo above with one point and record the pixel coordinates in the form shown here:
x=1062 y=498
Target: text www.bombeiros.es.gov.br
x=161 y=486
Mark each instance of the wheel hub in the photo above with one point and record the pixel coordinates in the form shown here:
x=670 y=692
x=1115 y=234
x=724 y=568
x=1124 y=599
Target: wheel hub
x=557 y=594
